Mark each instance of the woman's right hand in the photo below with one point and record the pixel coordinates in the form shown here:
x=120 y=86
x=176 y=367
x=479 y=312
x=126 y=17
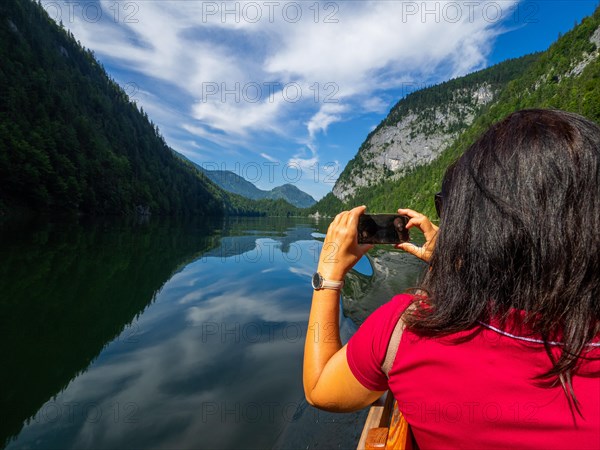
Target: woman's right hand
x=430 y=231
x=341 y=250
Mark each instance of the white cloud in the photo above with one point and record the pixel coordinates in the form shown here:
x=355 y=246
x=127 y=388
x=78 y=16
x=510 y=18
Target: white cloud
x=374 y=104
x=269 y=157
x=328 y=113
x=303 y=165
x=373 y=39
x=353 y=52
x=239 y=118
x=220 y=139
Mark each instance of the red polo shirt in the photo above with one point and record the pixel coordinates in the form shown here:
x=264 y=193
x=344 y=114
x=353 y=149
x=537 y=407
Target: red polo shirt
x=477 y=394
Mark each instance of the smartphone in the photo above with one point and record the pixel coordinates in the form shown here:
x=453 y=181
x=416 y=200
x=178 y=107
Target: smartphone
x=382 y=229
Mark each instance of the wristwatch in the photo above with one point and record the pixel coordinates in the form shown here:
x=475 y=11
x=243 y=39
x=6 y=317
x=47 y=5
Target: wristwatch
x=318 y=283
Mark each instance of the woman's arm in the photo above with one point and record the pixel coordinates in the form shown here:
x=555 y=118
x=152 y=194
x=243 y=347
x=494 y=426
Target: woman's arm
x=328 y=382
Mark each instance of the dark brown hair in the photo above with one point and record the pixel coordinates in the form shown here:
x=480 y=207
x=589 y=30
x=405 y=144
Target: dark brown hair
x=520 y=228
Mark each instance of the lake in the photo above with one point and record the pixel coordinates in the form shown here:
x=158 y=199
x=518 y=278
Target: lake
x=170 y=334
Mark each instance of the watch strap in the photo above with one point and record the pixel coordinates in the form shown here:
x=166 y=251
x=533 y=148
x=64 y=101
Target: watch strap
x=318 y=283
x=328 y=284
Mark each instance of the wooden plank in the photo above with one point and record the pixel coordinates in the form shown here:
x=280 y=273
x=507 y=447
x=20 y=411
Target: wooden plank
x=376 y=439
x=386 y=428
x=399 y=436
x=373 y=421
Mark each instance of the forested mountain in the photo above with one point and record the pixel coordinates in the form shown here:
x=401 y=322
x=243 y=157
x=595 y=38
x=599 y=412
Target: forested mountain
x=425 y=123
x=451 y=116
x=292 y=194
x=232 y=182
x=70 y=138
x=72 y=141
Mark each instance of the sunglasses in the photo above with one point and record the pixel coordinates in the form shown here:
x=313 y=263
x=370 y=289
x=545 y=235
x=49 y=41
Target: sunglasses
x=437 y=200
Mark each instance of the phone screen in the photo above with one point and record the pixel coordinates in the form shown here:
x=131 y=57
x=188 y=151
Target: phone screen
x=382 y=229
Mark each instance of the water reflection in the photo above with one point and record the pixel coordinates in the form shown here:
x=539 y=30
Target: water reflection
x=67 y=290
x=166 y=335
x=392 y=273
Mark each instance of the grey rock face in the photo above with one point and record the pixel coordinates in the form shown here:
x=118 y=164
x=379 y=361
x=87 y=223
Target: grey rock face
x=417 y=139
x=596 y=37
x=587 y=57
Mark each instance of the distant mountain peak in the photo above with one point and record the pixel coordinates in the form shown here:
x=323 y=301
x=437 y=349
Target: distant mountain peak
x=234 y=183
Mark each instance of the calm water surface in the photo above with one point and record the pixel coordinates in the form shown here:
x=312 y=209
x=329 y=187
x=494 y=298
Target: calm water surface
x=169 y=334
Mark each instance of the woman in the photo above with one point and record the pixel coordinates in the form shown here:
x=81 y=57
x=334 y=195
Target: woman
x=502 y=345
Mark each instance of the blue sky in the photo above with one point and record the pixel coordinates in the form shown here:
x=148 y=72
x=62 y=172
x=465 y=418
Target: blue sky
x=280 y=91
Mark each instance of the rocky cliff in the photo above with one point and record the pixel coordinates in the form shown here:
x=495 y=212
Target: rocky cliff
x=423 y=125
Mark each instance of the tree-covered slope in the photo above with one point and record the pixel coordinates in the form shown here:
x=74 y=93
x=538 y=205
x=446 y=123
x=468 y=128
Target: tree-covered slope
x=292 y=194
x=234 y=183
x=425 y=123
x=239 y=205
x=566 y=76
x=241 y=198
x=70 y=138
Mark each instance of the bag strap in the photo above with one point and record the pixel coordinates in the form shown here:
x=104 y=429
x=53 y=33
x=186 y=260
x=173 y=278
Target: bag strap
x=392 y=349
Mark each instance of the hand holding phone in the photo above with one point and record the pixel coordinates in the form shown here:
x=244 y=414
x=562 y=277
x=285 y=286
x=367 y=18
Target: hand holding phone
x=382 y=229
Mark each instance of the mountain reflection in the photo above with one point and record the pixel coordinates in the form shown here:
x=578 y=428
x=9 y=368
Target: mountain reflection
x=68 y=289
x=168 y=334
x=161 y=334
x=393 y=273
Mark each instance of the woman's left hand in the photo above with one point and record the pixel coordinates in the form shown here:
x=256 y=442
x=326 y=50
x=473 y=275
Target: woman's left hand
x=341 y=250
x=430 y=231
x=328 y=380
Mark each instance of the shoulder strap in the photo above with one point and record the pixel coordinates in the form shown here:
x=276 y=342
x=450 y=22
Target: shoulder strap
x=392 y=349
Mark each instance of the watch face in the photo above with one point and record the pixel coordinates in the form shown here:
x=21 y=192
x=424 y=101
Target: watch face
x=317 y=281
